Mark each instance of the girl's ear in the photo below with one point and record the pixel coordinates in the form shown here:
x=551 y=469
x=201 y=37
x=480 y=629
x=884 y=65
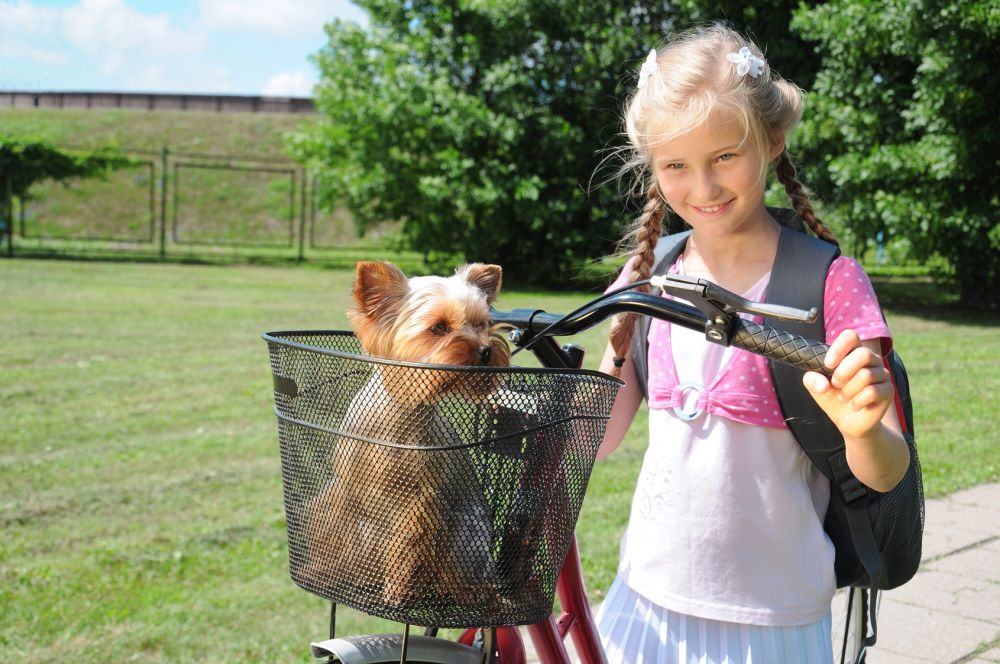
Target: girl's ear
x=777 y=147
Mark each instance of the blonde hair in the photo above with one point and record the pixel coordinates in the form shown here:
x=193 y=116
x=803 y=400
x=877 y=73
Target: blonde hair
x=693 y=78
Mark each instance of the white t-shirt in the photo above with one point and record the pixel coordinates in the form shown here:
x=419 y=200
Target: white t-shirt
x=727 y=517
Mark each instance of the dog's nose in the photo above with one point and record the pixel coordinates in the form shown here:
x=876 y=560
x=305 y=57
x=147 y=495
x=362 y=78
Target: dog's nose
x=485 y=353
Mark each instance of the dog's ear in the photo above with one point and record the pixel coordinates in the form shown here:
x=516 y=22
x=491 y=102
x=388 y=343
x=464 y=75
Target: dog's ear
x=379 y=288
x=484 y=277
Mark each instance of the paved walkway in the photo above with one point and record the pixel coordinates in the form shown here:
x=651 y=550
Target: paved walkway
x=949 y=613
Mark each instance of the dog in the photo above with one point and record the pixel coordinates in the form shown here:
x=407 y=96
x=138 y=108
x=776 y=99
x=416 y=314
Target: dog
x=416 y=521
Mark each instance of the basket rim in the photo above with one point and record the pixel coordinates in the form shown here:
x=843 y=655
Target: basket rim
x=276 y=338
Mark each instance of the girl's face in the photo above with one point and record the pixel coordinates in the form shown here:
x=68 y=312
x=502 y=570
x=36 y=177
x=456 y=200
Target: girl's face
x=712 y=177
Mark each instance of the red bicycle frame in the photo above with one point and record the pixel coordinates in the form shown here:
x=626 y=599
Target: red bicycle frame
x=549 y=635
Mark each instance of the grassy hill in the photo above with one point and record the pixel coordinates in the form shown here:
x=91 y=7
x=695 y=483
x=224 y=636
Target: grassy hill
x=248 y=205
x=251 y=134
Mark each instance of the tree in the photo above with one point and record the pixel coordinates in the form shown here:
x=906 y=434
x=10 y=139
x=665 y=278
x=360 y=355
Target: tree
x=901 y=128
x=25 y=161
x=479 y=124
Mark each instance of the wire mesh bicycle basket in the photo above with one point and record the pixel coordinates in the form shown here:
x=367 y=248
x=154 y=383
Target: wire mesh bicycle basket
x=428 y=494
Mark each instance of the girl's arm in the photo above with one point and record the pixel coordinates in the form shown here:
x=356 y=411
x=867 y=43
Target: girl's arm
x=857 y=399
x=626 y=403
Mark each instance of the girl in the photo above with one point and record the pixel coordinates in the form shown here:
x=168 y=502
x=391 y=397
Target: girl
x=725 y=558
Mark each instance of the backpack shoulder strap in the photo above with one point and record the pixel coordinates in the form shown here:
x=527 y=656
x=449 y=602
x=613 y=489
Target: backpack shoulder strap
x=798 y=279
x=667 y=249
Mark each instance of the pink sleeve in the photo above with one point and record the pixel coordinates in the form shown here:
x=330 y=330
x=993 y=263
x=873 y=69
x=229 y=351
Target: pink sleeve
x=849 y=302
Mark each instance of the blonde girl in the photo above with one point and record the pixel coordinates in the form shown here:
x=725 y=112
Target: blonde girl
x=725 y=558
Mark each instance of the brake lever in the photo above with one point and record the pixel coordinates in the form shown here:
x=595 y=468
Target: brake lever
x=721 y=306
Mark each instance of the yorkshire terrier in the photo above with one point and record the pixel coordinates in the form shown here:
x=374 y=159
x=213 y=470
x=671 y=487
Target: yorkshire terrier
x=416 y=520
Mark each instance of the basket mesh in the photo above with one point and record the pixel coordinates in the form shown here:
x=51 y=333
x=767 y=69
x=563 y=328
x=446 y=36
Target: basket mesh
x=433 y=496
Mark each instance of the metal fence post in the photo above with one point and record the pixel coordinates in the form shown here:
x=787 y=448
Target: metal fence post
x=302 y=218
x=8 y=214
x=163 y=202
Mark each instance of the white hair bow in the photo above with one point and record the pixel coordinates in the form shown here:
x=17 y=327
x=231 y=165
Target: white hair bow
x=746 y=61
x=648 y=68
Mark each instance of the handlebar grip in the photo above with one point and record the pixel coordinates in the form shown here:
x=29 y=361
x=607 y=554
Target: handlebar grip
x=781 y=346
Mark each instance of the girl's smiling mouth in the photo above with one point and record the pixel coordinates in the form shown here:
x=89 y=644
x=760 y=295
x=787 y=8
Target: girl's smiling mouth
x=714 y=210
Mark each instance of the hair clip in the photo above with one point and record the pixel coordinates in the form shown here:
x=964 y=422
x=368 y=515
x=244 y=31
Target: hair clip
x=746 y=61
x=648 y=68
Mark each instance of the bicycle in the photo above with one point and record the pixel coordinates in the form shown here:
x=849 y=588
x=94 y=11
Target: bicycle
x=318 y=376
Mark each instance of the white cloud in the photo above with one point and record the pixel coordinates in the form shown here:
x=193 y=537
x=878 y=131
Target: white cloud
x=115 y=35
x=21 y=16
x=24 y=31
x=118 y=33
x=286 y=18
x=296 y=83
x=195 y=80
x=125 y=44
x=39 y=55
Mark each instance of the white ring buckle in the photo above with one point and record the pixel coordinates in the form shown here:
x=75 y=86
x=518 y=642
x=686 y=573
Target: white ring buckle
x=689 y=386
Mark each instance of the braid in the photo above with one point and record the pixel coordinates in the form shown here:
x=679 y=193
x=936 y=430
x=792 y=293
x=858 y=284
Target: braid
x=648 y=228
x=785 y=171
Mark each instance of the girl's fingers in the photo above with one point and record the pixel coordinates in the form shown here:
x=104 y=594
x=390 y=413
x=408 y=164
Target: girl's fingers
x=879 y=393
x=856 y=360
x=845 y=342
x=868 y=375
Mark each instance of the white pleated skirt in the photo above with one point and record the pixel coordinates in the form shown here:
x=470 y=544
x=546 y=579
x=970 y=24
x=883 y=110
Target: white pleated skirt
x=634 y=630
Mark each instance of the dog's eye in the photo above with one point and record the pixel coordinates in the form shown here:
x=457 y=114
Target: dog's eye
x=439 y=329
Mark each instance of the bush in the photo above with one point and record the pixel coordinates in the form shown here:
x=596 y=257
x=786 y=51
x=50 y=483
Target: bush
x=901 y=126
x=25 y=161
x=479 y=125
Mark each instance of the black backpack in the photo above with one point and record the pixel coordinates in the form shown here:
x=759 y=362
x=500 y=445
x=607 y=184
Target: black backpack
x=877 y=536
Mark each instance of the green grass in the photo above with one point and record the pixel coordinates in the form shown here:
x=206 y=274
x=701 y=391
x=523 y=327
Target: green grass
x=239 y=134
x=224 y=202
x=140 y=493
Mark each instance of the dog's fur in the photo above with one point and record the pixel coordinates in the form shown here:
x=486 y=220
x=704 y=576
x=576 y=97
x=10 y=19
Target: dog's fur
x=409 y=509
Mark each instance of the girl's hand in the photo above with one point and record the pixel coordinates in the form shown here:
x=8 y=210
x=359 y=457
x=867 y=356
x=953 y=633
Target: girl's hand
x=860 y=390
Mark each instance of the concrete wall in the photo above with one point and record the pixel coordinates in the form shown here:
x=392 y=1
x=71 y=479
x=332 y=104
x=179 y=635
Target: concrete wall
x=152 y=101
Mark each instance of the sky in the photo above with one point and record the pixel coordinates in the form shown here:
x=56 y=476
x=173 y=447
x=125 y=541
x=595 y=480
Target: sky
x=254 y=47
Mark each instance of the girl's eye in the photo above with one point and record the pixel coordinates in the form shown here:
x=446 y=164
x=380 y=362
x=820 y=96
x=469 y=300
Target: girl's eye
x=439 y=329
x=674 y=167
x=726 y=157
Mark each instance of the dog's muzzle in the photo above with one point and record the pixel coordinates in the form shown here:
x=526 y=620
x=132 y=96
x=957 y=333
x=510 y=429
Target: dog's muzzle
x=485 y=354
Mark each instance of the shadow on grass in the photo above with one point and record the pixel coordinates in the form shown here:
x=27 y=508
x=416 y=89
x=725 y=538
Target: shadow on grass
x=922 y=298
x=315 y=262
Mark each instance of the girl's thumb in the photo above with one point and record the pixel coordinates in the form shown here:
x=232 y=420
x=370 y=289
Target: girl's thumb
x=815 y=383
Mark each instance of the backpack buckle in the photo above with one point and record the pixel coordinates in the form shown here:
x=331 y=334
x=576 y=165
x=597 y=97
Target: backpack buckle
x=851 y=488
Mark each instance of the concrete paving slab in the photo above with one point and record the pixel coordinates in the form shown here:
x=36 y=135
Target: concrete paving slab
x=992 y=655
x=940 y=540
x=973 y=598
x=950 y=525
x=924 y=633
x=982 y=494
x=880 y=655
x=979 y=562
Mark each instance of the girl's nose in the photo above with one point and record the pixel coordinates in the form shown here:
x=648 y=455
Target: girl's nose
x=706 y=189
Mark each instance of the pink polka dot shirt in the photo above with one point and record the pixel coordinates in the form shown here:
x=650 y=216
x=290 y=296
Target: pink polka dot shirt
x=742 y=390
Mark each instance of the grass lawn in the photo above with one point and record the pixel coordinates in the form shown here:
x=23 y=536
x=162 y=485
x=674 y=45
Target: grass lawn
x=242 y=134
x=140 y=493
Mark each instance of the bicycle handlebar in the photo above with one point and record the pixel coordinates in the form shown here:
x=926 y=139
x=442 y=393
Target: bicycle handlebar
x=770 y=342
